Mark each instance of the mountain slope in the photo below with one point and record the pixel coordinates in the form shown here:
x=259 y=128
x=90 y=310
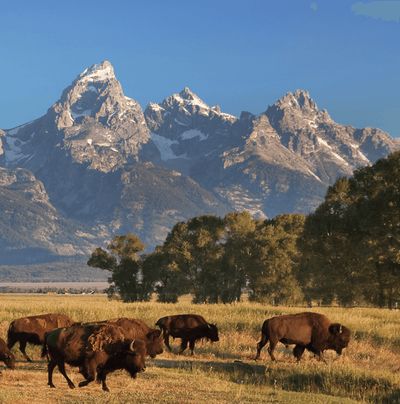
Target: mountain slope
x=96 y=165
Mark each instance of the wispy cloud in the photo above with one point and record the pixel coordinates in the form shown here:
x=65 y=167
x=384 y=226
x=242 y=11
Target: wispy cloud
x=386 y=10
x=314 y=6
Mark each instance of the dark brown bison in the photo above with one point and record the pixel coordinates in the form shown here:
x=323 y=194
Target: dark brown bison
x=137 y=329
x=6 y=355
x=188 y=327
x=98 y=349
x=32 y=329
x=311 y=331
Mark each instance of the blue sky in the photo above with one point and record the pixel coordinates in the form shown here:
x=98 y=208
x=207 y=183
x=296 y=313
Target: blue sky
x=241 y=55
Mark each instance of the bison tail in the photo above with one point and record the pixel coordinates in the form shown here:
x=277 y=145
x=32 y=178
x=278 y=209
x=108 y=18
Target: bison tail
x=44 y=350
x=264 y=339
x=44 y=347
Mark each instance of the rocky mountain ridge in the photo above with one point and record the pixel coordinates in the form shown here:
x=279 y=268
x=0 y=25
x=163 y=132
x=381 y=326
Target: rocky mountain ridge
x=110 y=168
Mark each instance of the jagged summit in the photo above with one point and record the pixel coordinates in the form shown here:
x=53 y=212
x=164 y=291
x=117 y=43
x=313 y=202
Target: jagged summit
x=97 y=72
x=95 y=93
x=185 y=99
x=186 y=94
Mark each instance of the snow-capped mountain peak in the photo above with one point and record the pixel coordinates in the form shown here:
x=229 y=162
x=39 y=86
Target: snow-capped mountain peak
x=97 y=72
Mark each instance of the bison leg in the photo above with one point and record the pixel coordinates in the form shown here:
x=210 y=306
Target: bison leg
x=96 y=362
x=85 y=383
x=183 y=346
x=89 y=376
x=22 y=346
x=61 y=368
x=320 y=356
x=298 y=351
x=101 y=377
x=166 y=341
x=261 y=344
x=191 y=346
x=50 y=368
x=271 y=348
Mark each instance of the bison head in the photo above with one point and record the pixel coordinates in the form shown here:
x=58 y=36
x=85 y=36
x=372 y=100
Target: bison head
x=9 y=360
x=135 y=359
x=340 y=337
x=212 y=332
x=155 y=344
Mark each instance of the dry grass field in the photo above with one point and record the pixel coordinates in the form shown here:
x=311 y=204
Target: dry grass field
x=222 y=372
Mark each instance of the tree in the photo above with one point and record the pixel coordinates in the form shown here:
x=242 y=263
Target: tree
x=275 y=259
x=192 y=250
x=239 y=231
x=122 y=261
x=161 y=273
x=352 y=240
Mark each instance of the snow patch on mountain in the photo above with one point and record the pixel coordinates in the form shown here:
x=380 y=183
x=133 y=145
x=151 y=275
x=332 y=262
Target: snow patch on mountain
x=323 y=142
x=75 y=115
x=192 y=133
x=340 y=158
x=13 y=152
x=164 y=147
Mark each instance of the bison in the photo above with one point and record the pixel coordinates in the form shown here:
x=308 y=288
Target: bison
x=32 y=329
x=188 y=327
x=96 y=348
x=6 y=355
x=311 y=331
x=139 y=330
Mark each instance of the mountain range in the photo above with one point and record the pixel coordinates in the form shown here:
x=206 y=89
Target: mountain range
x=97 y=164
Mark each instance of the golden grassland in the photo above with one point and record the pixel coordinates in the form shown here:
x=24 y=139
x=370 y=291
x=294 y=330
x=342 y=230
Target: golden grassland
x=222 y=372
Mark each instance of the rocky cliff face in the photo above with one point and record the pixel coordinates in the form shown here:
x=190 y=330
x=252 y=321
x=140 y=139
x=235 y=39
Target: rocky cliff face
x=32 y=230
x=107 y=166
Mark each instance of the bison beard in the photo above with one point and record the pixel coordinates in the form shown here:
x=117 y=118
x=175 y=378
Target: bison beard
x=96 y=348
x=311 y=331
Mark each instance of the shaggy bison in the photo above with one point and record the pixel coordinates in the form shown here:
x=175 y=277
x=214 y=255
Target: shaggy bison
x=139 y=330
x=311 y=331
x=32 y=329
x=6 y=355
x=188 y=327
x=96 y=348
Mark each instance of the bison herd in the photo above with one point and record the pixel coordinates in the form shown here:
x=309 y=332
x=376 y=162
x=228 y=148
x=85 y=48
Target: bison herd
x=99 y=348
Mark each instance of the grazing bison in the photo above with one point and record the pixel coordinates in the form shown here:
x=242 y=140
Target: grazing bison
x=6 y=355
x=137 y=329
x=96 y=348
x=32 y=329
x=311 y=331
x=188 y=327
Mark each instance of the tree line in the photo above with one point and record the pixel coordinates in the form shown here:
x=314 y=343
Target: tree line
x=346 y=251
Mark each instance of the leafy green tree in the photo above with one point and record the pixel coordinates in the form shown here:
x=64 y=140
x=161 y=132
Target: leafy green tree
x=193 y=249
x=122 y=262
x=352 y=240
x=275 y=260
x=162 y=275
x=204 y=238
x=235 y=264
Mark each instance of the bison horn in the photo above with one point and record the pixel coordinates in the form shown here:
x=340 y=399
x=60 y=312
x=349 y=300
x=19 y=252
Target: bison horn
x=340 y=330
x=131 y=345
